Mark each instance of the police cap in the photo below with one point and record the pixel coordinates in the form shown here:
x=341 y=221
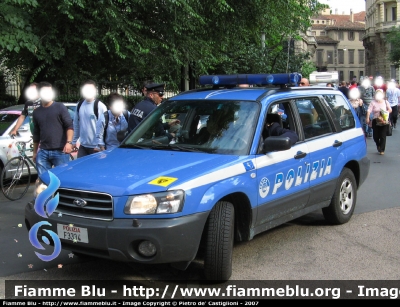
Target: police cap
x=156 y=87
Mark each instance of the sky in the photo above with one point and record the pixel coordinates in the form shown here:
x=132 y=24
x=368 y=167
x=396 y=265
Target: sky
x=345 y=5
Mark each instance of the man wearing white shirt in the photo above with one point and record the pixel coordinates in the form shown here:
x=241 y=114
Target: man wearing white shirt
x=85 y=119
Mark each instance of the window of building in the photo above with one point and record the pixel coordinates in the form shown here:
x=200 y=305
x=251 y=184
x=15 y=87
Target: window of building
x=314 y=33
x=360 y=35
x=393 y=72
x=394 y=13
x=317 y=21
x=323 y=21
x=351 y=56
x=386 y=15
x=312 y=21
x=350 y=35
x=341 y=75
x=330 y=57
x=319 y=57
x=322 y=33
x=341 y=56
x=340 y=35
x=361 y=74
x=361 y=56
x=351 y=75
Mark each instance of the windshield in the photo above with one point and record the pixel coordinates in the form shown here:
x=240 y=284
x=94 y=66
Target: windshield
x=223 y=127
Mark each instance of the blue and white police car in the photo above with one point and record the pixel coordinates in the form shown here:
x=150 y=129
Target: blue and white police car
x=160 y=196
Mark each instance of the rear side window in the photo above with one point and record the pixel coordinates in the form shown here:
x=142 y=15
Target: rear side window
x=341 y=110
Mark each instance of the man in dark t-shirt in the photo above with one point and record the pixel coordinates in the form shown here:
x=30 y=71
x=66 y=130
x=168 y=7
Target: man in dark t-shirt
x=343 y=88
x=33 y=101
x=53 y=129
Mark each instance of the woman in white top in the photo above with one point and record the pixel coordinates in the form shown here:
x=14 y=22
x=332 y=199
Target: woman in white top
x=379 y=125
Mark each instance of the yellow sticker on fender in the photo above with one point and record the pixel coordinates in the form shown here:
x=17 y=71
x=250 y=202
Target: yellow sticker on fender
x=163 y=181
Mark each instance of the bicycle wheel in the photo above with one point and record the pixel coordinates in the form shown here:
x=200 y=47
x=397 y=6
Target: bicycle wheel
x=15 y=178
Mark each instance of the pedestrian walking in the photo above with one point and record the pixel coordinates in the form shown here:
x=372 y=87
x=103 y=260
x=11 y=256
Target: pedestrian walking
x=379 y=124
x=356 y=101
x=343 y=88
x=53 y=131
x=367 y=93
x=393 y=96
x=85 y=119
x=112 y=123
x=33 y=101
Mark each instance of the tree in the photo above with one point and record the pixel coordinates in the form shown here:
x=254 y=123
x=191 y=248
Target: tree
x=126 y=41
x=393 y=38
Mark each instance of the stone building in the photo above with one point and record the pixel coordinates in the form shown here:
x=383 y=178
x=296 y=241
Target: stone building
x=381 y=16
x=340 y=46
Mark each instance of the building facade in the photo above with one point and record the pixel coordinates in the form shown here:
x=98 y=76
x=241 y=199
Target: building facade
x=381 y=16
x=340 y=46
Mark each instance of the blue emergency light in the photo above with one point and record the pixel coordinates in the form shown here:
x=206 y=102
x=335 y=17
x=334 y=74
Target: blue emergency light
x=259 y=79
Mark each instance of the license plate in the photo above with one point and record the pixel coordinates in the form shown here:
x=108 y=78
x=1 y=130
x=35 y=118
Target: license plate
x=73 y=233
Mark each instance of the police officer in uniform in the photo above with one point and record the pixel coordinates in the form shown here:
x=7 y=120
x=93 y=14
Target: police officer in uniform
x=154 y=94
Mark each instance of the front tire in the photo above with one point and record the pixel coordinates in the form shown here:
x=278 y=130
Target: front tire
x=344 y=199
x=219 y=242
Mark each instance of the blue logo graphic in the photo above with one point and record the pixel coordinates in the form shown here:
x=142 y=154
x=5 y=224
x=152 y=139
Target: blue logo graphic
x=45 y=204
x=35 y=242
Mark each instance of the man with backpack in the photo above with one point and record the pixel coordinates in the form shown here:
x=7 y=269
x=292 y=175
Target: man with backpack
x=367 y=93
x=112 y=123
x=85 y=119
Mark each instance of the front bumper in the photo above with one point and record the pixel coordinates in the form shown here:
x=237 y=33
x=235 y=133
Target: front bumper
x=176 y=239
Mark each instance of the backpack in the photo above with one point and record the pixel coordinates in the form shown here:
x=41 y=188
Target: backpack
x=96 y=107
x=107 y=118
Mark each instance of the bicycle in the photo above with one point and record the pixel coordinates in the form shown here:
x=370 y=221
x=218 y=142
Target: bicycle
x=16 y=174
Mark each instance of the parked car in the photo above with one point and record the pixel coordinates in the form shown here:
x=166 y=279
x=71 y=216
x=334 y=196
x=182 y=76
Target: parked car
x=157 y=200
x=8 y=119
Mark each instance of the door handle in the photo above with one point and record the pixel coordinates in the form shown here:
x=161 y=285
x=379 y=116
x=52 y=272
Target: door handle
x=337 y=143
x=300 y=154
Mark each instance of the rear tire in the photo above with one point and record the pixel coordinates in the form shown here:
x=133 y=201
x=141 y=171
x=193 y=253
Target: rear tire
x=14 y=183
x=219 y=242
x=344 y=199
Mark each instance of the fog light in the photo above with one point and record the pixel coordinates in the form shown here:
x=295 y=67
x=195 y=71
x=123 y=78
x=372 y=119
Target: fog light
x=147 y=249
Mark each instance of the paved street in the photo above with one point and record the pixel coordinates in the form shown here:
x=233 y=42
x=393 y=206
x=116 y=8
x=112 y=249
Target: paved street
x=366 y=248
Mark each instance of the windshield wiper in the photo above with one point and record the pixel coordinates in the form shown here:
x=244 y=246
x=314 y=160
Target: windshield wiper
x=133 y=146
x=177 y=147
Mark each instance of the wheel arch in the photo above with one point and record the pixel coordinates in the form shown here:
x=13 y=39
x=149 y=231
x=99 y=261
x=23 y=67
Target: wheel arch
x=355 y=168
x=243 y=215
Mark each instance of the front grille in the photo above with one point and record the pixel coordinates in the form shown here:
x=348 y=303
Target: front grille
x=99 y=205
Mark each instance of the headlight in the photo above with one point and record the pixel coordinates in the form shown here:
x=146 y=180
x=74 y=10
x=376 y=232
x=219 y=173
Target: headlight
x=155 y=203
x=39 y=187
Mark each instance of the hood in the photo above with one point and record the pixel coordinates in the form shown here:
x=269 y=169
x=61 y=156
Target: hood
x=123 y=171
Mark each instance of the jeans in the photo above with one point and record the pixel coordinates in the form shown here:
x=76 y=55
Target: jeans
x=85 y=151
x=46 y=159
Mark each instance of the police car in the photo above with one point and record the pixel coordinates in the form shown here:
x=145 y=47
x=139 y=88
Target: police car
x=161 y=197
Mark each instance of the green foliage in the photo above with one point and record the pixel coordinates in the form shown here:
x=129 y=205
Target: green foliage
x=126 y=41
x=393 y=38
x=307 y=68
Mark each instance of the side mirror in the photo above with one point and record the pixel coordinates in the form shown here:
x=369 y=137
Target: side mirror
x=121 y=135
x=276 y=143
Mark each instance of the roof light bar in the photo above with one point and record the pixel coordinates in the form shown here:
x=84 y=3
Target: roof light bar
x=260 y=79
